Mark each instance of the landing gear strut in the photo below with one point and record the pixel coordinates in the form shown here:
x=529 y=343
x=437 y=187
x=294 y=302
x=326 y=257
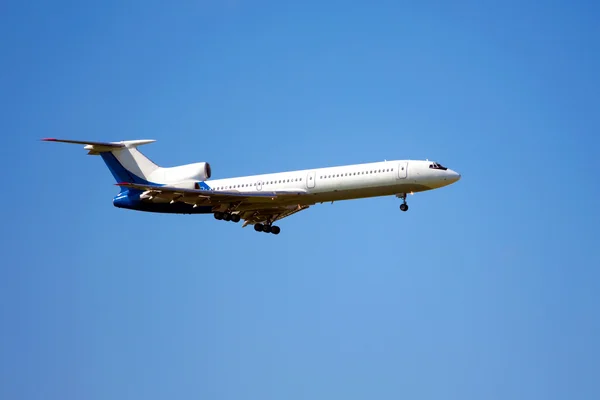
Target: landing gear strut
x=403 y=206
x=267 y=228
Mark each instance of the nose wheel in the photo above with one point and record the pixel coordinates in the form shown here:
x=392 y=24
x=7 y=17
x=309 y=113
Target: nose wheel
x=403 y=206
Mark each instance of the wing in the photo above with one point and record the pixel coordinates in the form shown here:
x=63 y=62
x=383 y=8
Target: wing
x=270 y=215
x=205 y=197
x=253 y=207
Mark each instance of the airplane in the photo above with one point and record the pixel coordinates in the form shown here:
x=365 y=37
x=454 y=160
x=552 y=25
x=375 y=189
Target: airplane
x=259 y=200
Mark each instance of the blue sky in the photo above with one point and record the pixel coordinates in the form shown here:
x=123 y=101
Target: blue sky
x=484 y=289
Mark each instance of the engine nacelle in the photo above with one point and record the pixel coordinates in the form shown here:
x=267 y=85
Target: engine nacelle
x=184 y=185
x=200 y=171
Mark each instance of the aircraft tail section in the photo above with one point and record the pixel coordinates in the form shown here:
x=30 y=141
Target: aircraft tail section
x=123 y=159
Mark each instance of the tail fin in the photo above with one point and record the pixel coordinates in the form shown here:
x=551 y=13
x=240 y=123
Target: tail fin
x=123 y=159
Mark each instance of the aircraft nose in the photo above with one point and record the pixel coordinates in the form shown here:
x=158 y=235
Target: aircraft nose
x=455 y=176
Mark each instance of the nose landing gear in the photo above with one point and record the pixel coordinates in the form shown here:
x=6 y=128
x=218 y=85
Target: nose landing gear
x=403 y=206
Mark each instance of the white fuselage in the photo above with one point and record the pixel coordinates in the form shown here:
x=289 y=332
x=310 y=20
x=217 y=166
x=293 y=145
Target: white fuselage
x=346 y=182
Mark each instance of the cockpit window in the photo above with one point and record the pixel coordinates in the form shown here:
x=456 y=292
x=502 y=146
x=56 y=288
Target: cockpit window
x=437 y=166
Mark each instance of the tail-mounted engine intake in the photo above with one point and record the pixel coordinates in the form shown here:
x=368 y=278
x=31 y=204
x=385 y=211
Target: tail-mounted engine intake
x=191 y=172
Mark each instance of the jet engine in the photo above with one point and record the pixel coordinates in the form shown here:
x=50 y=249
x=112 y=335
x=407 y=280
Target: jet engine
x=200 y=171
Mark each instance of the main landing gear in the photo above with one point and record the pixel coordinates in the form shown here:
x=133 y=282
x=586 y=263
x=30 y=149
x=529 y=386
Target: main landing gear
x=403 y=206
x=225 y=216
x=267 y=228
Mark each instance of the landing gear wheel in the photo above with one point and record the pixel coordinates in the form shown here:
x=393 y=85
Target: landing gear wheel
x=218 y=215
x=227 y=217
x=267 y=229
x=258 y=227
x=404 y=207
x=235 y=218
x=275 y=230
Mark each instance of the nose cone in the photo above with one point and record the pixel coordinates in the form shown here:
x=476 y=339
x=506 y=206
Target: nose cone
x=454 y=176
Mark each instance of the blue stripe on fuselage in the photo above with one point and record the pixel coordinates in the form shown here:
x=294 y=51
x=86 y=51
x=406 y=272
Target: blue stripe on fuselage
x=204 y=186
x=132 y=201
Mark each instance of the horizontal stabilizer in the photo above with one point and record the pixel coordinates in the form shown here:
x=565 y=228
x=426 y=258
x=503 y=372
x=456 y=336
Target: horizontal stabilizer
x=101 y=147
x=104 y=144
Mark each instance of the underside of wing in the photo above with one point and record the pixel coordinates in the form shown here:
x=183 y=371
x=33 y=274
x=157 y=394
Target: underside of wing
x=200 y=196
x=253 y=207
x=270 y=215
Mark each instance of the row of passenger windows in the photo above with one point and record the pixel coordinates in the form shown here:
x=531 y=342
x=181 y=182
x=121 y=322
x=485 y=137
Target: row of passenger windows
x=374 y=171
x=246 y=185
